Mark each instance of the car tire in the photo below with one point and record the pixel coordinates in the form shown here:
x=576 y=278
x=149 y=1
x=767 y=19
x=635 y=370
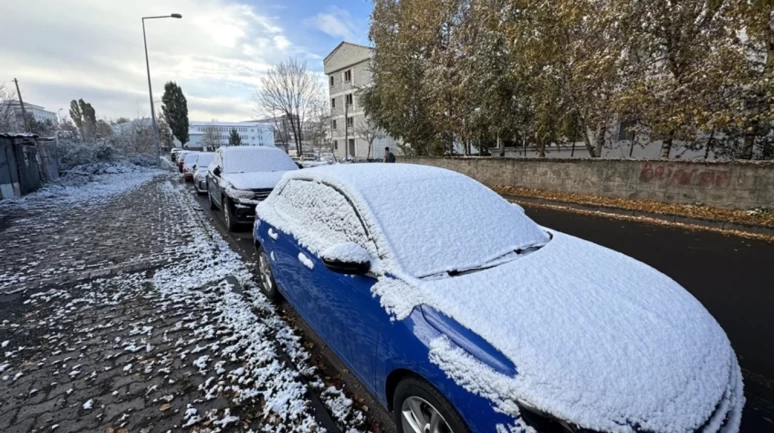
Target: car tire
x=268 y=284
x=414 y=395
x=231 y=224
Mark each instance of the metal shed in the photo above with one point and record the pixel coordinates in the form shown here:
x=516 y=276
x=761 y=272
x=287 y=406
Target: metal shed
x=19 y=170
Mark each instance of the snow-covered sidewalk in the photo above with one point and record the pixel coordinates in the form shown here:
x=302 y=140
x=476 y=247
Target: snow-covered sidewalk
x=189 y=343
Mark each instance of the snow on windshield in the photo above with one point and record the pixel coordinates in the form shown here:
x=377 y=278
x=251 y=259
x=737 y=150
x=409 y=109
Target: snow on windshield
x=252 y=159
x=204 y=159
x=447 y=222
x=190 y=159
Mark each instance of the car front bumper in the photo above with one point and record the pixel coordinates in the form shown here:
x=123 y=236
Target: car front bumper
x=244 y=213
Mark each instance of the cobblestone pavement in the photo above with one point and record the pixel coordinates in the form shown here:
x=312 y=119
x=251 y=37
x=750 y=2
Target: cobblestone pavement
x=186 y=344
x=63 y=235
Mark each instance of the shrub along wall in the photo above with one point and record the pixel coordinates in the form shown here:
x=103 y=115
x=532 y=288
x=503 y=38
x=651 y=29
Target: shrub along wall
x=740 y=185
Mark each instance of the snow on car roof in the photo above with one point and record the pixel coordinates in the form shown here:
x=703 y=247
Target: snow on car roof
x=249 y=159
x=434 y=220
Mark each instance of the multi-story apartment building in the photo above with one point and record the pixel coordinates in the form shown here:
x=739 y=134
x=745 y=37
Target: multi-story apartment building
x=253 y=133
x=348 y=68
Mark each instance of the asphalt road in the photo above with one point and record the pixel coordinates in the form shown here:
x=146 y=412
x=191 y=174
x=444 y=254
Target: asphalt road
x=733 y=277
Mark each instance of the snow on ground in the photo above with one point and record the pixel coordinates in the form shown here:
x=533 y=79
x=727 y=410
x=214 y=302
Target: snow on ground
x=193 y=348
x=85 y=186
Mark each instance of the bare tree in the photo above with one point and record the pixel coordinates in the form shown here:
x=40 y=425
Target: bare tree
x=7 y=114
x=318 y=130
x=211 y=137
x=287 y=91
x=367 y=130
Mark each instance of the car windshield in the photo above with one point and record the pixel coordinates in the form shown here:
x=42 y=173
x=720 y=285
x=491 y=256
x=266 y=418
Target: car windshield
x=256 y=159
x=190 y=159
x=204 y=160
x=449 y=224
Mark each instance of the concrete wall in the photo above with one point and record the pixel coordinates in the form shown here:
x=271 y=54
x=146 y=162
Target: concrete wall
x=725 y=185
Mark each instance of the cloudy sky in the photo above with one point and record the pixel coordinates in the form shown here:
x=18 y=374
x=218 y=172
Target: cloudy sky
x=92 y=49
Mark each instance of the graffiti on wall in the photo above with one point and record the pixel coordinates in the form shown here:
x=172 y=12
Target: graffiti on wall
x=670 y=174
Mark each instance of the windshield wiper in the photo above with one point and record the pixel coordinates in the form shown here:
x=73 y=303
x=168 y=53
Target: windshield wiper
x=497 y=261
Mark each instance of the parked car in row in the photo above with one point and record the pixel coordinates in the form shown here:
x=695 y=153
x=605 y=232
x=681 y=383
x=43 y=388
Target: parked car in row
x=200 y=171
x=180 y=158
x=461 y=314
x=238 y=178
x=189 y=161
x=173 y=154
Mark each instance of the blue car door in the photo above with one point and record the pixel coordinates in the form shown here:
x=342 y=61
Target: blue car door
x=340 y=308
x=350 y=316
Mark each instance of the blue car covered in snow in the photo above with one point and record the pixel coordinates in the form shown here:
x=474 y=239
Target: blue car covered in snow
x=460 y=314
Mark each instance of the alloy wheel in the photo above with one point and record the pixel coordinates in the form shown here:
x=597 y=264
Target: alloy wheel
x=264 y=271
x=419 y=416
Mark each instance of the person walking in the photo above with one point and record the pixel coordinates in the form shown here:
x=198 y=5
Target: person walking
x=388 y=156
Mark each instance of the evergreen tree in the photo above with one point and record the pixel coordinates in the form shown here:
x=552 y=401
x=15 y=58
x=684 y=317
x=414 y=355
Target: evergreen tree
x=167 y=142
x=175 y=109
x=234 y=139
x=75 y=114
x=85 y=117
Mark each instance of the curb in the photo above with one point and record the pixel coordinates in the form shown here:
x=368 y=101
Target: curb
x=715 y=225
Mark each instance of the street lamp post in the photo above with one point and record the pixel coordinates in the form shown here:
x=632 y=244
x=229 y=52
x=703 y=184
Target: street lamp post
x=150 y=88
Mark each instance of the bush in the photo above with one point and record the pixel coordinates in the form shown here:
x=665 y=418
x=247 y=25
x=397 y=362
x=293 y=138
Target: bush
x=72 y=154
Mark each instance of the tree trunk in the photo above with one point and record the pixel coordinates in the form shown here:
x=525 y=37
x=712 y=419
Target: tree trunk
x=749 y=140
x=601 y=141
x=708 y=147
x=666 y=145
x=589 y=147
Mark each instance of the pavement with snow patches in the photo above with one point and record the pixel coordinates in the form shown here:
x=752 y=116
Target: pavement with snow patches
x=123 y=310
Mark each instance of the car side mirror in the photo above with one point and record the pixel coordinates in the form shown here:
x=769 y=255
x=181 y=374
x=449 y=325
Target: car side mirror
x=347 y=258
x=194 y=167
x=216 y=171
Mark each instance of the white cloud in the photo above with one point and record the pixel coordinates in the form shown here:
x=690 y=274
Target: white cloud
x=336 y=22
x=93 y=49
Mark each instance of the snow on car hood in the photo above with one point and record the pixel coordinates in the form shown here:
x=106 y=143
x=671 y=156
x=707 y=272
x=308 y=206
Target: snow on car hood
x=254 y=180
x=598 y=338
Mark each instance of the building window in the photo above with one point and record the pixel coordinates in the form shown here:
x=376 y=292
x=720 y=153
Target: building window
x=333 y=102
x=352 y=147
x=334 y=124
x=350 y=99
x=332 y=81
x=350 y=122
x=348 y=75
x=335 y=144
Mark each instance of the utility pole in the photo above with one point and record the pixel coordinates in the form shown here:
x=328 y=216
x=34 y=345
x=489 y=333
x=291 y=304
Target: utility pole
x=21 y=103
x=150 y=88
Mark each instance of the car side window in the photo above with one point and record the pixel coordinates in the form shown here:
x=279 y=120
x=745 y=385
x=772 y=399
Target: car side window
x=320 y=215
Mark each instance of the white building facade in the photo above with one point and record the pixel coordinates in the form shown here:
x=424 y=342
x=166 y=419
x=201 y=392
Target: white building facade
x=348 y=68
x=35 y=111
x=252 y=134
